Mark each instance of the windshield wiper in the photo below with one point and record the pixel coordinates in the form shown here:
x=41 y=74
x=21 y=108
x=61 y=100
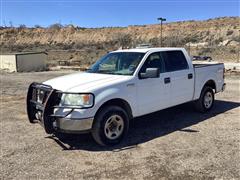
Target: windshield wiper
x=104 y=71
x=119 y=73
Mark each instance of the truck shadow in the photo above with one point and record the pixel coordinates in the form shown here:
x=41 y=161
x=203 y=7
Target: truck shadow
x=148 y=127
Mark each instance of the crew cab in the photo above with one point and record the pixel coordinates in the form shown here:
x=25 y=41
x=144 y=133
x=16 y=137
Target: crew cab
x=122 y=85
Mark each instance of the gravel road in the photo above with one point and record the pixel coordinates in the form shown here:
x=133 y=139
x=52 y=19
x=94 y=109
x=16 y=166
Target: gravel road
x=176 y=143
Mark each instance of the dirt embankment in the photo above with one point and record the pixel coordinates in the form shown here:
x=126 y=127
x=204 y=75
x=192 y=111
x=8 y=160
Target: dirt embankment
x=217 y=37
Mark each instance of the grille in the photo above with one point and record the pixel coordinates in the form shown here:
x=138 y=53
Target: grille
x=42 y=96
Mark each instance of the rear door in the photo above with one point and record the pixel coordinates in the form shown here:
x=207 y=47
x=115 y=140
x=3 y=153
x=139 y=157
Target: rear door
x=182 y=80
x=153 y=94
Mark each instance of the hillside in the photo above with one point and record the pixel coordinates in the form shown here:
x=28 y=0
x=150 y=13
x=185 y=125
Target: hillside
x=217 y=37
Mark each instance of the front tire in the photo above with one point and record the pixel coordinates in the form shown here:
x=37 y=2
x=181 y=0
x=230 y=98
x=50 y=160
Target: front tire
x=110 y=125
x=206 y=100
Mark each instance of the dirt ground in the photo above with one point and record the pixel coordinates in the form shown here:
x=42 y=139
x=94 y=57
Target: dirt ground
x=176 y=143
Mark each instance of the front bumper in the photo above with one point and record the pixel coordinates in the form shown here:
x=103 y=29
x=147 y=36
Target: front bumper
x=68 y=125
x=41 y=102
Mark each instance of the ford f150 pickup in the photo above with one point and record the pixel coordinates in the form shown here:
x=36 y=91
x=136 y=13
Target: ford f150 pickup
x=122 y=85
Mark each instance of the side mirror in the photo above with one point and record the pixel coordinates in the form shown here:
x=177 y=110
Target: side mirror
x=150 y=73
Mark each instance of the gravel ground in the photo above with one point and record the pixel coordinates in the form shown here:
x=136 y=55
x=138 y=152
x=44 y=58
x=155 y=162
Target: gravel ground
x=176 y=143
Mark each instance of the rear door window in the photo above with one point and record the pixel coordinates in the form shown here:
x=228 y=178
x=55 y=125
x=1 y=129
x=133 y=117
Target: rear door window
x=174 y=60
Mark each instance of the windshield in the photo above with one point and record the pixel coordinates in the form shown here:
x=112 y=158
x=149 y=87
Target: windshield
x=121 y=63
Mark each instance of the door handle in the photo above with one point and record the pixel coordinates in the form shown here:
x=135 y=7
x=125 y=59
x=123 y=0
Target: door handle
x=167 y=80
x=190 y=76
x=130 y=84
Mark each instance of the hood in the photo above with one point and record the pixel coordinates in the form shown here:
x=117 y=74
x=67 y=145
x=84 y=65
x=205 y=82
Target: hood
x=83 y=81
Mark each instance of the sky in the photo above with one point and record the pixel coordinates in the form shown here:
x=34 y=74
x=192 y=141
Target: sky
x=111 y=13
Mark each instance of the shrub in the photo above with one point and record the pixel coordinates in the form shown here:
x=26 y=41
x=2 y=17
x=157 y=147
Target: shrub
x=236 y=38
x=204 y=51
x=155 y=42
x=36 y=43
x=217 y=41
x=123 y=40
x=233 y=51
x=174 y=41
x=37 y=26
x=56 y=26
x=78 y=45
x=230 y=32
x=22 y=26
x=193 y=39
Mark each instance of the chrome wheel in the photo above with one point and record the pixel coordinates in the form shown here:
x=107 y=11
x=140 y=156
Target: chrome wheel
x=208 y=100
x=114 y=126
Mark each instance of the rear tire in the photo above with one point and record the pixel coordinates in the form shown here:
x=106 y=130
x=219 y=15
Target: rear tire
x=110 y=125
x=206 y=100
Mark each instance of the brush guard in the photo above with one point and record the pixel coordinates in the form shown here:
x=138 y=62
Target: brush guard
x=41 y=100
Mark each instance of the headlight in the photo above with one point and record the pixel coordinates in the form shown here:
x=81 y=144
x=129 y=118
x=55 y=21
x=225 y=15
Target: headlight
x=77 y=100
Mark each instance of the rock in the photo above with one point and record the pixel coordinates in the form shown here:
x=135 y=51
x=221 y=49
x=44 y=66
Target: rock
x=200 y=44
x=224 y=43
x=233 y=43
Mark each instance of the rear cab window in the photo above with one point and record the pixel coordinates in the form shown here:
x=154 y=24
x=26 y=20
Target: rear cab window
x=174 y=60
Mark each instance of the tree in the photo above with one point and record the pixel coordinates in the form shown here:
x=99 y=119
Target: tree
x=56 y=26
x=11 y=24
x=124 y=40
x=37 y=26
x=22 y=26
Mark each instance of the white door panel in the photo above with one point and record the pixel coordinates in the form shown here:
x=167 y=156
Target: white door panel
x=182 y=86
x=153 y=94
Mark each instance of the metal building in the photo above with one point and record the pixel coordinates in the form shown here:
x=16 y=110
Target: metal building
x=23 y=62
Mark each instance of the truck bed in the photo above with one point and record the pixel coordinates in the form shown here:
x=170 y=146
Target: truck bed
x=199 y=65
x=208 y=71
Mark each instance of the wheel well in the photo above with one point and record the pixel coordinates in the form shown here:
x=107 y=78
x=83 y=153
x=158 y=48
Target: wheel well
x=211 y=84
x=118 y=102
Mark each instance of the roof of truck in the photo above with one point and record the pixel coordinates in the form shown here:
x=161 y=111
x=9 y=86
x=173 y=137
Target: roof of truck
x=144 y=50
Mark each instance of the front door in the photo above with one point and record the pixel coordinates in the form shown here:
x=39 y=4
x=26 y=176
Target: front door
x=153 y=94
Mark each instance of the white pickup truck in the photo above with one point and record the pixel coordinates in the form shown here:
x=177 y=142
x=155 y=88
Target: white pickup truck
x=122 y=85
